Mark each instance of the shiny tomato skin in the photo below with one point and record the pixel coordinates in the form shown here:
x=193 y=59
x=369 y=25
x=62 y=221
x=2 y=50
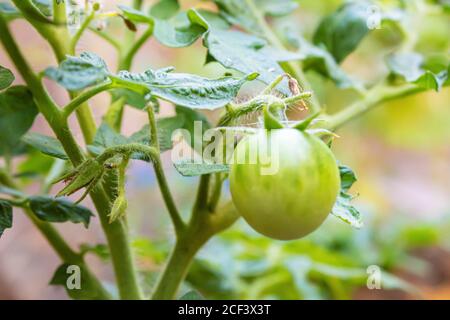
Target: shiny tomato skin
x=294 y=200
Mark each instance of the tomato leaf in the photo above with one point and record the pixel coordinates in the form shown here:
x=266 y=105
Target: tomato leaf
x=321 y=61
x=342 y=31
x=170 y=27
x=343 y=209
x=413 y=68
x=135 y=15
x=8 y=11
x=246 y=53
x=187 y=90
x=180 y=31
x=190 y=118
x=77 y=73
x=66 y=275
x=59 y=210
x=165 y=126
x=242 y=13
x=192 y=169
x=17 y=114
x=100 y=250
x=44 y=6
x=47 y=145
x=6 y=78
x=6 y=217
x=132 y=98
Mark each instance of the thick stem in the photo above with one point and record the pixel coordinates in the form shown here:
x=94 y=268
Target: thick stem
x=202 y=226
x=175 y=271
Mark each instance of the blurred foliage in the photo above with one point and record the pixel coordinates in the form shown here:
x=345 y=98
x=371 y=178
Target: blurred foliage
x=332 y=263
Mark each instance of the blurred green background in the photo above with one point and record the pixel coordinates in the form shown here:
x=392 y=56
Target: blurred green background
x=399 y=151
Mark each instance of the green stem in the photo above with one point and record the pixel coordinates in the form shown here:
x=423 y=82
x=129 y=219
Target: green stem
x=106 y=37
x=161 y=177
x=59 y=12
x=76 y=37
x=125 y=62
x=46 y=28
x=175 y=271
x=116 y=233
x=85 y=96
x=202 y=226
x=376 y=96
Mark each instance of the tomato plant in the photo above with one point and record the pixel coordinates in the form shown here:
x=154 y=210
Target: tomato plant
x=247 y=39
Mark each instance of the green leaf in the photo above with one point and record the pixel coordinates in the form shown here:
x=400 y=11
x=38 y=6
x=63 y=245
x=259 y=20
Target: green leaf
x=47 y=145
x=179 y=88
x=413 y=68
x=342 y=31
x=213 y=19
x=87 y=291
x=100 y=250
x=165 y=127
x=246 y=53
x=190 y=117
x=245 y=13
x=192 y=295
x=171 y=28
x=44 y=6
x=188 y=90
x=77 y=73
x=35 y=164
x=106 y=137
x=348 y=177
x=192 y=169
x=132 y=98
x=165 y=9
x=59 y=210
x=8 y=11
x=17 y=114
x=6 y=217
x=343 y=208
x=180 y=31
x=6 y=78
x=321 y=61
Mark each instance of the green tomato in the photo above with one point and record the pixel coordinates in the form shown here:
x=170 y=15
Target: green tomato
x=288 y=192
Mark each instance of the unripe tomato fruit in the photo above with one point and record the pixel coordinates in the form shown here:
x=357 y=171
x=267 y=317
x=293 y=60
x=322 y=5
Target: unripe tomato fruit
x=294 y=200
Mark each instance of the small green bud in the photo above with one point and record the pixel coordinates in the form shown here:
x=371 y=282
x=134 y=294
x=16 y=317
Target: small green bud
x=119 y=208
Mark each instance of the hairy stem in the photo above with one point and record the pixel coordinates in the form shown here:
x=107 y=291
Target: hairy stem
x=161 y=177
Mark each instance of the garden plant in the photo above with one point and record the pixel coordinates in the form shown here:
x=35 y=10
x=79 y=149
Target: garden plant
x=271 y=61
